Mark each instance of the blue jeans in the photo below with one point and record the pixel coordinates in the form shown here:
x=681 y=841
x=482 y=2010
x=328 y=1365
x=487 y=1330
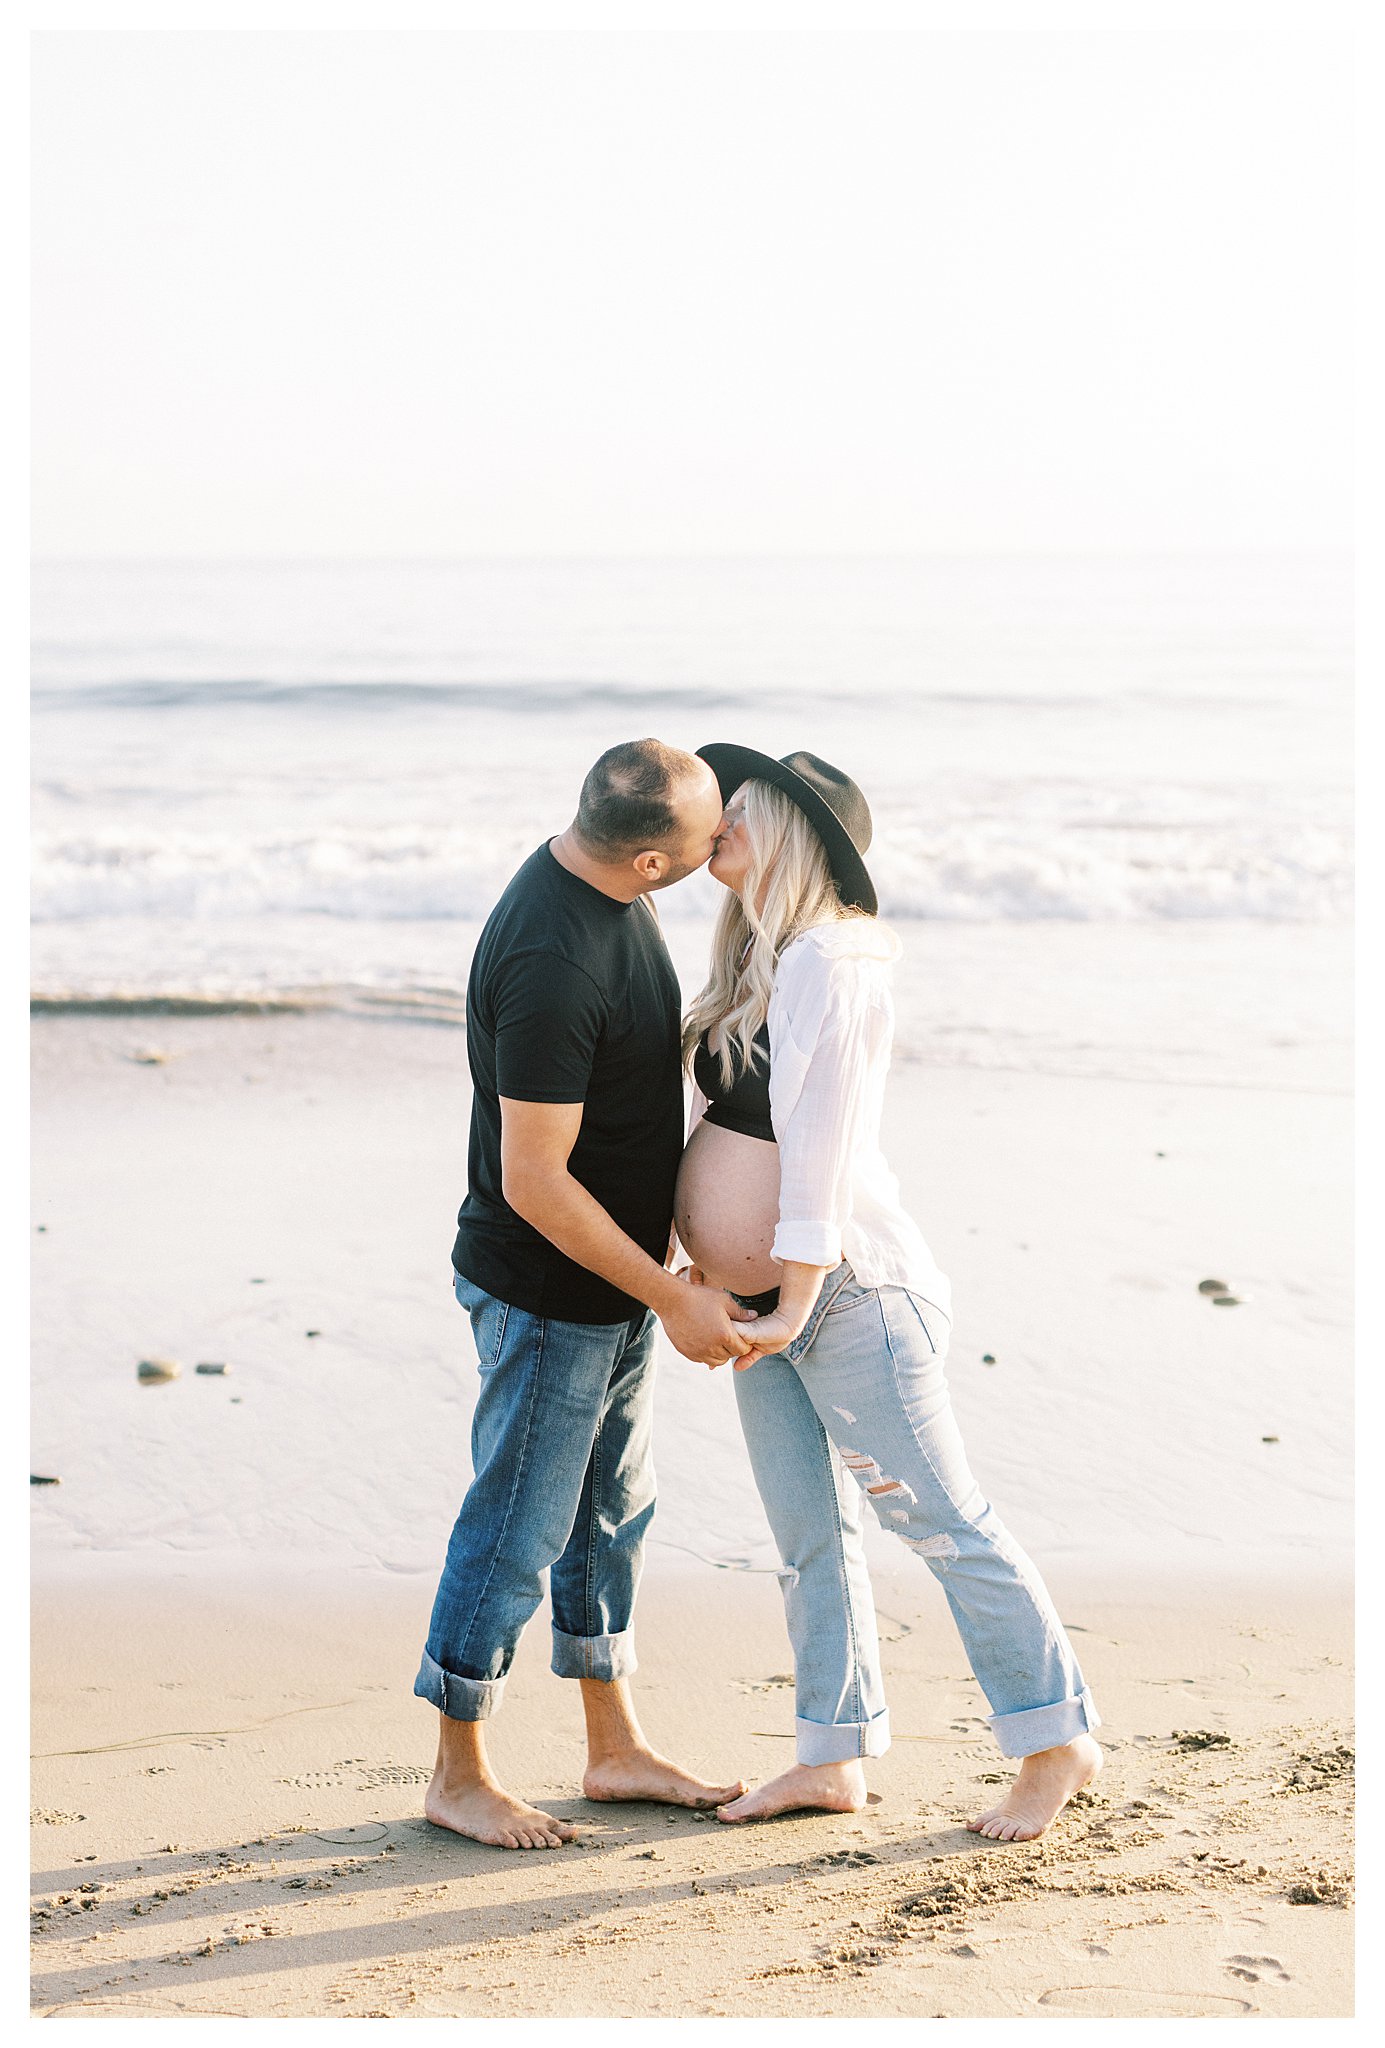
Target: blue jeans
x=856 y=1409
x=564 y=1478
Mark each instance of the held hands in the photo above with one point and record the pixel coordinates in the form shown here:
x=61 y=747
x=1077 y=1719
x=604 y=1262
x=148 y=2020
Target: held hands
x=771 y=1333
x=702 y=1323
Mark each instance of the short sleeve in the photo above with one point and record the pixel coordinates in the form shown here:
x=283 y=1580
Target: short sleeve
x=549 y=1015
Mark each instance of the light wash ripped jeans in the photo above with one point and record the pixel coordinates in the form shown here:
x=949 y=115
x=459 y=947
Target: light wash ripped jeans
x=857 y=1409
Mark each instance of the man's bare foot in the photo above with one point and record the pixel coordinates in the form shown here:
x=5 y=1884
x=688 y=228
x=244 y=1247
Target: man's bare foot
x=1043 y=1788
x=638 y=1773
x=834 y=1788
x=487 y=1814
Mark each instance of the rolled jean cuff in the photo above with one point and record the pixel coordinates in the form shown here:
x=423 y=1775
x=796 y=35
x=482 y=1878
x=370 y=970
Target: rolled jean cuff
x=461 y=1699
x=603 y=1657
x=1039 y=1728
x=836 y=1742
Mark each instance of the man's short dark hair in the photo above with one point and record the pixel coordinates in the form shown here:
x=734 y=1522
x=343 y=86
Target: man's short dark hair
x=626 y=805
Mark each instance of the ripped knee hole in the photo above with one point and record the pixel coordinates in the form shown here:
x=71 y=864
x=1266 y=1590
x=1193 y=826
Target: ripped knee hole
x=872 y=1479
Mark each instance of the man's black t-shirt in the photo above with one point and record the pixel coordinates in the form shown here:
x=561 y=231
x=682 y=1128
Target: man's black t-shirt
x=572 y=998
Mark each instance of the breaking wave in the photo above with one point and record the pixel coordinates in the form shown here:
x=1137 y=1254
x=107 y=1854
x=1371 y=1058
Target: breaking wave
x=1141 y=871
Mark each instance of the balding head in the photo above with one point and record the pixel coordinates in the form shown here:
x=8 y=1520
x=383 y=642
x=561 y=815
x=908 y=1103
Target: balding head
x=645 y=798
x=629 y=800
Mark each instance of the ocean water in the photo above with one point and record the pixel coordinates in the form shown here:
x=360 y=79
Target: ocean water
x=307 y=782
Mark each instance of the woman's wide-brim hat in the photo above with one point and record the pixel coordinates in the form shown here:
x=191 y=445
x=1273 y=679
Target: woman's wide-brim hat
x=830 y=801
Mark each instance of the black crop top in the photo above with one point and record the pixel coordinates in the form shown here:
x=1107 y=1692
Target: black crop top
x=744 y=1106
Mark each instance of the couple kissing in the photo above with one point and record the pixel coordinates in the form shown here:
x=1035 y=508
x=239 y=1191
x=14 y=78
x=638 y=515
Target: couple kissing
x=800 y=1269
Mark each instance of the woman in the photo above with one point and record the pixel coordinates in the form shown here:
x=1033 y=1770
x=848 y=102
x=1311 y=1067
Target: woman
x=784 y=1199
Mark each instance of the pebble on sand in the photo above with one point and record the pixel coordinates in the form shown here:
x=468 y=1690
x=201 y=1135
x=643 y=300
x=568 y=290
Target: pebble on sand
x=155 y=1371
x=1227 y=1300
x=149 y=1056
x=1212 y=1287
x=44 y=1479
x=211 y=1365
x=1269 y=1439
x=988 y=1358
x=312 y=1333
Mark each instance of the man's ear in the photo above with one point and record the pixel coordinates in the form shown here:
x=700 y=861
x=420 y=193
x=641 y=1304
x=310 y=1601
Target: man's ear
x=651 y=866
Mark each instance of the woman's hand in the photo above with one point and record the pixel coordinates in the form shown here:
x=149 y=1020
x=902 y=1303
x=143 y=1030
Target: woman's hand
x=771 y=1333
x=799 y=1289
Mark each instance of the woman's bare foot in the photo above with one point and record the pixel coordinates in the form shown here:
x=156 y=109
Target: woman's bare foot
x=834 y=1788
x=1046 y=1783
x=639 y=1773
x=487 y=1813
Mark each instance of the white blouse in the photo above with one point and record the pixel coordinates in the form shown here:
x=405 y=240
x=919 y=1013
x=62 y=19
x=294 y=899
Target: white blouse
x=831 y=1023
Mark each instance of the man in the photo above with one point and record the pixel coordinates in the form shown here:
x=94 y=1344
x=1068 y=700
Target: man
x=561 y=1255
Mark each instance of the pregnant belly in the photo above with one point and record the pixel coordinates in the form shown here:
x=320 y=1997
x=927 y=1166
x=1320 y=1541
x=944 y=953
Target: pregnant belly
x=727 y=1207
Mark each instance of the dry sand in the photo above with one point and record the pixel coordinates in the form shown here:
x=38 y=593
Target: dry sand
x=227 y=1821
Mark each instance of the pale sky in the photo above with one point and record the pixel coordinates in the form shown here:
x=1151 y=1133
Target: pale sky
x=415 y=293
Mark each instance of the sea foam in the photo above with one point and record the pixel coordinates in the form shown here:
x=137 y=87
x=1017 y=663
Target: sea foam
x=1295 y=873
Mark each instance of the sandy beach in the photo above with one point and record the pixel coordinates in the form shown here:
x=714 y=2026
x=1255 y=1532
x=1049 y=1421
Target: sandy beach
x=227 y=1821
x=234 y=1571
x=420 y=417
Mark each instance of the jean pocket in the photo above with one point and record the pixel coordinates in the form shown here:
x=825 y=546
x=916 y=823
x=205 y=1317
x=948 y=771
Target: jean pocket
x=935 y=1327
x=489 y=1319
x=840 y=1287
x=850 y=1297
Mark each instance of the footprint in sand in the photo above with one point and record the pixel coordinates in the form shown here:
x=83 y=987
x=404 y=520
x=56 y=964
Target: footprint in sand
x=374 y=1775
x=1251 y=1968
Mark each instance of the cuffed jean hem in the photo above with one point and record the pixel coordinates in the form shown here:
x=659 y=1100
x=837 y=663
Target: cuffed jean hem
x=836 y=1742
x=604 y=1657
x=1039 y=1728
x=461 y=1699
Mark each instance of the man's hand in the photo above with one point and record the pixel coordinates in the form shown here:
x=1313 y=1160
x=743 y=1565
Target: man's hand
x=701 y=1322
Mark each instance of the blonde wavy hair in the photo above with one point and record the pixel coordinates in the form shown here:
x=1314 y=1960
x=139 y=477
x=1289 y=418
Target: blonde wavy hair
x=789 y=862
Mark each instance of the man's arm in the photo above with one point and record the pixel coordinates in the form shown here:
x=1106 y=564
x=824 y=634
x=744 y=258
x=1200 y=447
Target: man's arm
x=536 y=1141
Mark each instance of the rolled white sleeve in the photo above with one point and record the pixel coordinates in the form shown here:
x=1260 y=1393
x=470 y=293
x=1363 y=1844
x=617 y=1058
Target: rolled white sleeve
x=831 y=1025
x=828 y=1123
